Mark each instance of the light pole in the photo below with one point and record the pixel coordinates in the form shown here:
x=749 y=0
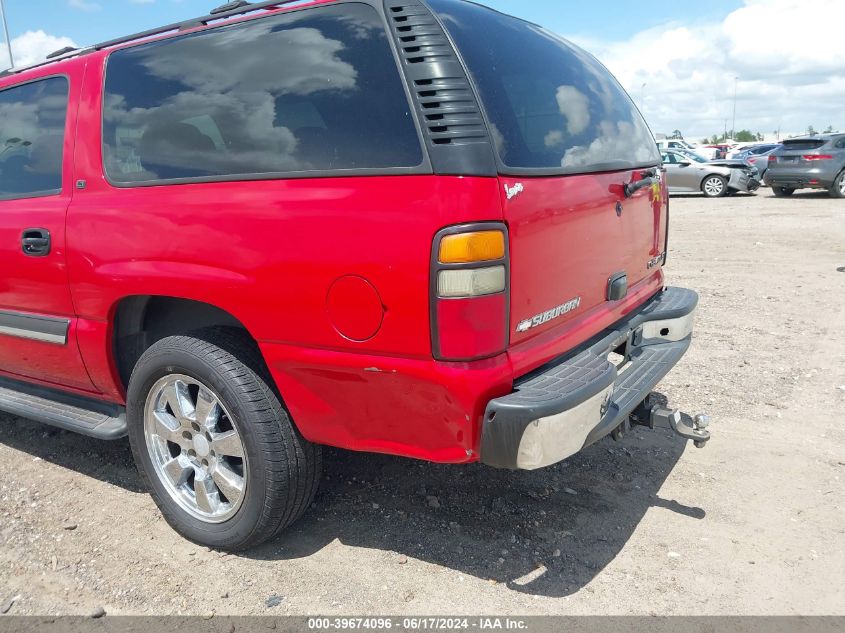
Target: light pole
x=642 y=96
x=6 y=30
x=733 y=125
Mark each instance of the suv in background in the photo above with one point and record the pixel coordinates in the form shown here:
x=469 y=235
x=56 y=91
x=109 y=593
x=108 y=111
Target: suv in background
x=815 y=162
x=355 y=224
x=756 y=150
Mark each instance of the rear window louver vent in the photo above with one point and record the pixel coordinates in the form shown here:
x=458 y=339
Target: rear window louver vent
x=447 y=106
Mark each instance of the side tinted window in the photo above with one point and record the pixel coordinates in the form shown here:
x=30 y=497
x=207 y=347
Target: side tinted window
x=312 y=90
x=552 y=106
x=32 y=133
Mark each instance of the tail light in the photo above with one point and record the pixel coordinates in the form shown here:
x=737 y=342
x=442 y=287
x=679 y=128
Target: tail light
x=812 y=157
x=470 y=273
x=773 y=159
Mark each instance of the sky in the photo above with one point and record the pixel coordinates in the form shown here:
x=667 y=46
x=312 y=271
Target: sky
x=681 y=61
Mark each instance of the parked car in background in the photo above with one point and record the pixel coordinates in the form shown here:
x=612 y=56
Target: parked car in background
x=736 y=163
x=755 y=150
x=708 y=153
x=684 y=174
x=674 y=143
x=720 y=150
x=738 y=148
x=759 y=160
x=681 y=145
x=693 y=155
x=815 y=162
x=742 y=165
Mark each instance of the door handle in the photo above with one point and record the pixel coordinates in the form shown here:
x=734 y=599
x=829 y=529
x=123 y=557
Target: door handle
x=36 y=242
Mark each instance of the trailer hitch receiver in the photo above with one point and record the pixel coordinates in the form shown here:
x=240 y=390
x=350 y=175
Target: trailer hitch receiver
x=652 y=415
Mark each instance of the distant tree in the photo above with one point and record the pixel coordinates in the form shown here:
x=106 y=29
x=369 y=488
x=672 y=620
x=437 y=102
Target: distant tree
x=745 y=136
x=705 y=141
x=811 y=131
x=677 y=134
x=828 y=129
x=760 y=137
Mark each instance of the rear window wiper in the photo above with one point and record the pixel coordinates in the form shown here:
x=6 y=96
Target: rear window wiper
x=648 y=179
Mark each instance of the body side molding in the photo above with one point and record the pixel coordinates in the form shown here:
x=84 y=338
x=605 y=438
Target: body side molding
x=34 y=327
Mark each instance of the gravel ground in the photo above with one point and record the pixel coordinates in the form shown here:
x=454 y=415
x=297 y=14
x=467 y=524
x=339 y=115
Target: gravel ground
x=752 y=524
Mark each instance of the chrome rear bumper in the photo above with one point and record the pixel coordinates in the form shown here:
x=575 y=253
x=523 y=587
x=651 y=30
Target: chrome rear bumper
x=573 y=402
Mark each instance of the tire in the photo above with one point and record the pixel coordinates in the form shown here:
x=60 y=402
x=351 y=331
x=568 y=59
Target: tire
x=838 y=188
x=782 y=192
x=242 y=438
x=714 y=186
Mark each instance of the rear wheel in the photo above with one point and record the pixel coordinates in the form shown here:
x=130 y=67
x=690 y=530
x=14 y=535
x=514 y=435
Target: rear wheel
x=838 y=189
x=222 y=459
x=714 y=186
x=782 y=192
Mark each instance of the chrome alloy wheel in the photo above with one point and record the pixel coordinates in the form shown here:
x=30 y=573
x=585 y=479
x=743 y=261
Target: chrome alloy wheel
x=195 y=448
x=842 y=186
x=714 y=186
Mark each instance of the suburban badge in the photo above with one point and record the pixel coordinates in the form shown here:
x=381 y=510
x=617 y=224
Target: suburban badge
x=549 y=315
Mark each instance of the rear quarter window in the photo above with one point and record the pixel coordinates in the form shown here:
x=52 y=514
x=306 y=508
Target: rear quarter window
x=315 y=90
x=32 y=133
x=551 y=105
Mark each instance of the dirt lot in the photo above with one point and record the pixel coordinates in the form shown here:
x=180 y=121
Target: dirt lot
x=752 y=524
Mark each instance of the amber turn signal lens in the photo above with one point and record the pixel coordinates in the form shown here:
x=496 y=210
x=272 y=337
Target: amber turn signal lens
x=468 y=248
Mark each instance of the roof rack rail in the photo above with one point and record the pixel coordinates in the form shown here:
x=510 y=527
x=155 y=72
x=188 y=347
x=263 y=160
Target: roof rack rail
x=228 y=10
x=241 y=9
x=235 y=4
x=61 y=51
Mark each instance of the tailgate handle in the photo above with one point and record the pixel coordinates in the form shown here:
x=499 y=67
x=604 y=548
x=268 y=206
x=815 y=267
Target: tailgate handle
x=617 y=287
x=649 y=179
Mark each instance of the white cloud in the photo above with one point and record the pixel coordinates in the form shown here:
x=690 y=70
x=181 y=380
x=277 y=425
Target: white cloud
x=84 y=5
x=33 y=46
x=616 y=139
x=575 y=106
x=789 y=64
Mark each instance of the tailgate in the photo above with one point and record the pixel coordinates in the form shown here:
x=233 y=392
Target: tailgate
x=571 y=234
x=568 y=139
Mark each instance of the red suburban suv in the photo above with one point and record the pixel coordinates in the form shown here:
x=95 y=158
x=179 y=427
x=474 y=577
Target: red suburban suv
x=413 y=227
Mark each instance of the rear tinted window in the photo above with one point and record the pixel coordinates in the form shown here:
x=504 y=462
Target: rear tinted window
x=313 y=90
x=551 y=105
x=762 y=149
x=802 y=144
x=32 y=132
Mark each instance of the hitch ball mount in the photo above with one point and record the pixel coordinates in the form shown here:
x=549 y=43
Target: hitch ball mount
x=653 y=415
